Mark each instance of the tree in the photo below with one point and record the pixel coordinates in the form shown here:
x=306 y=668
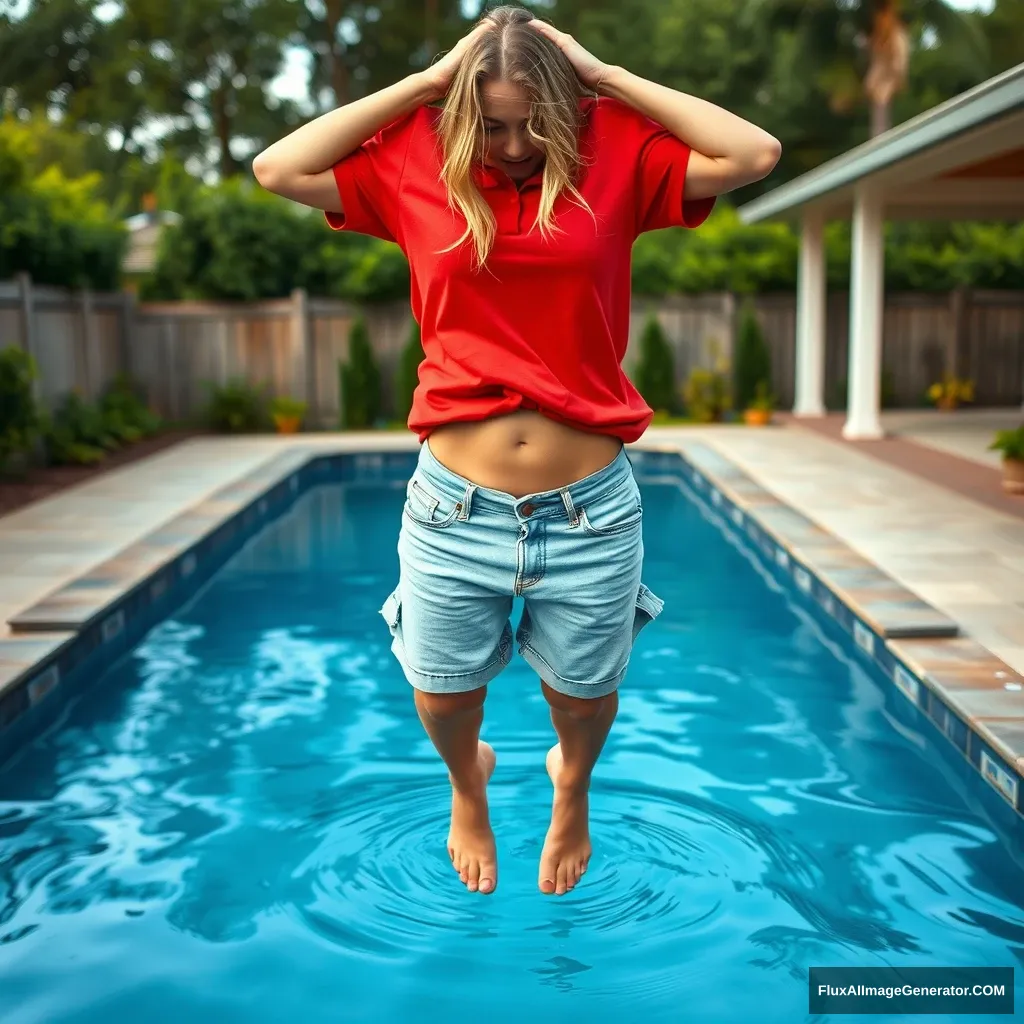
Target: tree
x=655 y=370
x=407 y=375
x=753 y=362
x=358 y=48
x=360 y=380
x=190 y=77
x=854 y=51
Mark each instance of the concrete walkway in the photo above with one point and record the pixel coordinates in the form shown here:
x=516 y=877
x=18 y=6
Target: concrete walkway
x=966 y=433
x=962 y=557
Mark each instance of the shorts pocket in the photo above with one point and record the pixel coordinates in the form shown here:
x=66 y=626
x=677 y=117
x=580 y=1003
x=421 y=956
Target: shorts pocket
x=615 y=513
x=422 y=507
x=392 y=611
x=648 y=608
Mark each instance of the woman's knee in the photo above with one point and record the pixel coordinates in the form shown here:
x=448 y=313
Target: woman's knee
x=441 y=706
x=578 y=707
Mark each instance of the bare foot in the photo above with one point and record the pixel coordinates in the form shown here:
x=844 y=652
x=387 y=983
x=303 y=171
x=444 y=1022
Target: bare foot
x=567 y=846
x=470 y=840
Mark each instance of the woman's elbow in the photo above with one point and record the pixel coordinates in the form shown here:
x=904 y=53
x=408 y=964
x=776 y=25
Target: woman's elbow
x=765 y=157
x=266 y=171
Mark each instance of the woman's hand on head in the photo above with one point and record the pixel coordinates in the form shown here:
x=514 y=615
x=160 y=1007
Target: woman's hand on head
x=590 y=71
x=439 y=76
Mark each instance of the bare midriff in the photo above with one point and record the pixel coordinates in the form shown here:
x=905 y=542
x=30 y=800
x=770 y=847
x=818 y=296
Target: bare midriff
x=522 y=453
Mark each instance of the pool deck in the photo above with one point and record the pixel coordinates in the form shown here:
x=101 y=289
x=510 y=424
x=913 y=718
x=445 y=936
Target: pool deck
x=865 y=527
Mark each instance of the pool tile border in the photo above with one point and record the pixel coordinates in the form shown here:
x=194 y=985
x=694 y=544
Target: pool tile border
x=972 y=697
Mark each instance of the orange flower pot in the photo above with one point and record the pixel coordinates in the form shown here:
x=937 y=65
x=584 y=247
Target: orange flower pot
x=757 y=417
x=287 y=424
x=1013 y=476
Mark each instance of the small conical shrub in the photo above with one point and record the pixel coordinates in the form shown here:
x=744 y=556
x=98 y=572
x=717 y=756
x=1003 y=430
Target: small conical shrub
x=407 y=373
x=360 y=380
x=655 y=370
x=753 y=362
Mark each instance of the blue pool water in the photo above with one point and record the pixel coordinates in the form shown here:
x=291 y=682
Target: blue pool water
x=242 y=821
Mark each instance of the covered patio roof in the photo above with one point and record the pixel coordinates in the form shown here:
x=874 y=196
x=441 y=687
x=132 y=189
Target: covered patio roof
x=961 y=160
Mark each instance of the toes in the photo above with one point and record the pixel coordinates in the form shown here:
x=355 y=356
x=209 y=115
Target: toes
x=560 y=880
x=547 y=882
x=472 y=878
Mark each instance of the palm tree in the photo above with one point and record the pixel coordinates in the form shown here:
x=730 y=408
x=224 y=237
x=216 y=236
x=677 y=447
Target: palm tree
x=861 y=49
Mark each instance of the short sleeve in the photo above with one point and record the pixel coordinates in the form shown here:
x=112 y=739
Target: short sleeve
x=369 y=180
x=661 y=161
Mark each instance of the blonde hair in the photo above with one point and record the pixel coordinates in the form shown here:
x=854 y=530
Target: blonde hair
x=512 y=52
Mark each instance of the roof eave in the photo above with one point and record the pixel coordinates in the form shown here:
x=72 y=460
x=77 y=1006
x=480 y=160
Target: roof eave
x=974 y=108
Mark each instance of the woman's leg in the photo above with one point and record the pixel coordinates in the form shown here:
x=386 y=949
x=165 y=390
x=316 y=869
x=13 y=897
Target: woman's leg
x=452 y=721
x=582 y=725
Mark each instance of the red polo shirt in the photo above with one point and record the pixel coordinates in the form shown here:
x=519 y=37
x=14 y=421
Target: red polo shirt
x=545 y=324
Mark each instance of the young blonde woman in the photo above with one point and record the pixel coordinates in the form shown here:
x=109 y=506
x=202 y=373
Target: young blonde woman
x=517 y=205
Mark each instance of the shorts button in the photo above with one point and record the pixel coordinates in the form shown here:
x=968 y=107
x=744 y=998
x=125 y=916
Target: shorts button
x=528 y=509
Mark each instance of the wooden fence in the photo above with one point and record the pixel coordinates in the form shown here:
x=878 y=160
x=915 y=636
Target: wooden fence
x=174 y=350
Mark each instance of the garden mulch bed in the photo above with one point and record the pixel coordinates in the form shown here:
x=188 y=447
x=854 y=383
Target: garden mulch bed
x=43 y=481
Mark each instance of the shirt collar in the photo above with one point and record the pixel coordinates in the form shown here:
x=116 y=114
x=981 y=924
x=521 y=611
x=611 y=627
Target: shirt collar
x=489 y=177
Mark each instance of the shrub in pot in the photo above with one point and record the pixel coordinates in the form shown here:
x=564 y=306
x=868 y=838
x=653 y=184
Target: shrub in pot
x=1011 y=444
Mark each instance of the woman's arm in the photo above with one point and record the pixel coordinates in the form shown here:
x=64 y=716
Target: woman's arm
x=300 y=166
x=727 y=151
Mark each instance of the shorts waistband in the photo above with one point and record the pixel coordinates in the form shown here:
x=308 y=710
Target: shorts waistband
x=557 y=502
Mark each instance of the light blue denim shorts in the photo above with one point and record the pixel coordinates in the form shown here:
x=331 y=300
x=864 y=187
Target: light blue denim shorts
x=574 y=555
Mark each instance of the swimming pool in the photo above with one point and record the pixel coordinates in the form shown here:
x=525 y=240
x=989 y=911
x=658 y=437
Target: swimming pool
x=242 y=819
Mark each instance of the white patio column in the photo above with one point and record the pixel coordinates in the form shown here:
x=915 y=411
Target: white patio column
x=867 y=289
x=810 y=318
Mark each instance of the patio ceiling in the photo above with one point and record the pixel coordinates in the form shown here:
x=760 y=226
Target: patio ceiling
x=963 y=159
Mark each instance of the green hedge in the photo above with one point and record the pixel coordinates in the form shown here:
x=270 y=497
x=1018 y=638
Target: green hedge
x=55 y=228
x=236 y=241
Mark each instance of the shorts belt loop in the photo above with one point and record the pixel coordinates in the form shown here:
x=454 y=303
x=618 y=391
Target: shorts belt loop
x=467 y=502
x=570 y=508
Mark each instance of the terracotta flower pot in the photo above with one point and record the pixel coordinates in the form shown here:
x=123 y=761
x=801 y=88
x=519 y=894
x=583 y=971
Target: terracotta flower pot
x=947 y=404
x=1013 y=475
x=287 y=424
x=757 y=417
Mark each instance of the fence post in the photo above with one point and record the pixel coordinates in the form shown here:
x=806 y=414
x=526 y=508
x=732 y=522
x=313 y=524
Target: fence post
x=302 y=343
x=28 y=331
x=128 y=307
x=88 y=316
x=958 y=300
x=729 y=307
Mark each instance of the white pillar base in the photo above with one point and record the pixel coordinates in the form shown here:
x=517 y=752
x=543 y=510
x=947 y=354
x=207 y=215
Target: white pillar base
x=867 y=291
x=810 y=319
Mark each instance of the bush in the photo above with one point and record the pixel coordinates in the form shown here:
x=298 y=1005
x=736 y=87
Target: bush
x=77 y=433
x=57 y=229
x=753 y=362
x=125 y=414
x=360 y=380
x=19 y=418
x=407 y=374
x=655 y=369
x=237 y=408
x=238 y=242
x=707 y=396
